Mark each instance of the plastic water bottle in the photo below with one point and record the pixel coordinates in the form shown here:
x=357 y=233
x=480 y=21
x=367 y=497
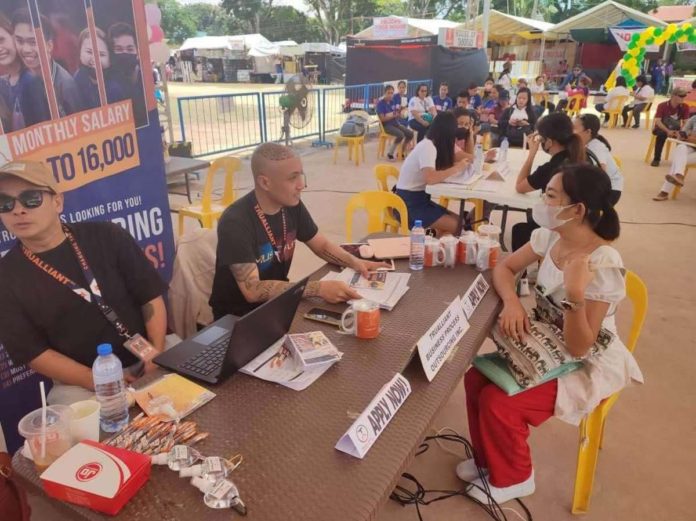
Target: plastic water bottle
x=415 y=260
x=107 y=373
x=504 y=146
x=478 y=158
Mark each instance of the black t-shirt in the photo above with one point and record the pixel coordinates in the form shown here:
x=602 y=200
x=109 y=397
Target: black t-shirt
x=37 y=312
x=242 y=239
x=543 y=174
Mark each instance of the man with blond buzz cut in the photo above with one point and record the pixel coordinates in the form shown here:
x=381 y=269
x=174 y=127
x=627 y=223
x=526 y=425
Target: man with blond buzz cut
x=257 y=235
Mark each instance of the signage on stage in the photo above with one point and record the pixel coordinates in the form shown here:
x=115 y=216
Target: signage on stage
x=623 y=38
x=374 y=419
x=438 y=342
x=390 y=27
x=93 y=123
x=460 y=38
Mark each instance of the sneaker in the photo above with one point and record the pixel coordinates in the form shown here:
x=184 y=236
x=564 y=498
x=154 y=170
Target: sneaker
x=523 y=289
x=676 y=179
x=468 y=471
x=637 y=125
x=501 y=495
x=662 y=196
x=655 y=162
x=390 y=157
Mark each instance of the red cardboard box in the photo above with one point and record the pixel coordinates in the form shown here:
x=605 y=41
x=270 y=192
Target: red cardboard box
x=97 y=476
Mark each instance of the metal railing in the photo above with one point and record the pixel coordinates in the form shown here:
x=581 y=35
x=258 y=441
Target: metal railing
x=225 y=122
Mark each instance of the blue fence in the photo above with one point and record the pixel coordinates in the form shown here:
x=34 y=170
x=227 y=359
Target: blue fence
x=225 y=122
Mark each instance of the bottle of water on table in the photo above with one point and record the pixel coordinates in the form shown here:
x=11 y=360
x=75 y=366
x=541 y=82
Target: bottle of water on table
x=478 y=158
x=110 y=389
x=503 y=152
x=415 y=261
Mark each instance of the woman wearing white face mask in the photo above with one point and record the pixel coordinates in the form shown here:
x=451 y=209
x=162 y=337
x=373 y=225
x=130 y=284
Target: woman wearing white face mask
x=583 y=276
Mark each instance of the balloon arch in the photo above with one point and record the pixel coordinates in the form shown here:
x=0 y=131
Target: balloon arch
x=635 y=54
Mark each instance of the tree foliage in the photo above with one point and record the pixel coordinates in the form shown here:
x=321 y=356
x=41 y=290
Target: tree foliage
x=177 y=21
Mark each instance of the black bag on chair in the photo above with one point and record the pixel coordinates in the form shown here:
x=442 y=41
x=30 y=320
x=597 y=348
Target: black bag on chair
x=515 y=135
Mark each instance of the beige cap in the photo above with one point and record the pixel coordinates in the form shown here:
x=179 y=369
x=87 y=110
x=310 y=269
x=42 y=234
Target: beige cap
x=679 y=91
x=32 y=171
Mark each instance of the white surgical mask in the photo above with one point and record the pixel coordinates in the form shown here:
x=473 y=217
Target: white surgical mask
x=547 y=216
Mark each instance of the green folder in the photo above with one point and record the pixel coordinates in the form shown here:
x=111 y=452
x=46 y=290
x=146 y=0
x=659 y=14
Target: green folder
x=495 y=368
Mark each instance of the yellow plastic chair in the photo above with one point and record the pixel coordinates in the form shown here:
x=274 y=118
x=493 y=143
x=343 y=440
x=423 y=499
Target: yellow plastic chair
x=677 y=189
x=592 y=426
x=574 y=105
x=618 y=161
x=540 y=97
x=651 y=149
x=646 y=116
x=209 y=211
x=383 y=173
x=614 y=113
x=385 y=139
x=356 y=148
x=377 y=203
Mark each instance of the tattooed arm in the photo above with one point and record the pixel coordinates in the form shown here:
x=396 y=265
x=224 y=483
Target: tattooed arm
x=155 y=317
x=256 y=290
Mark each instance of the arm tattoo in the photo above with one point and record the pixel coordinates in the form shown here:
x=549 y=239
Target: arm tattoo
x=255 y=290
x=328 y=256
x=148 y=311
x=312 y=289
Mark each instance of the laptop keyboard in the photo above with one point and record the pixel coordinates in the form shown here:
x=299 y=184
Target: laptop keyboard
x=209 y=360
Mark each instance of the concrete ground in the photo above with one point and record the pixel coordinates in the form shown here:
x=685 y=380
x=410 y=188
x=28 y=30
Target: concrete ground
x=645 y=468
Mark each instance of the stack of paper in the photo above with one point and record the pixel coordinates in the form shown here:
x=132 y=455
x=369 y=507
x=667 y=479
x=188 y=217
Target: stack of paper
x=387 y=296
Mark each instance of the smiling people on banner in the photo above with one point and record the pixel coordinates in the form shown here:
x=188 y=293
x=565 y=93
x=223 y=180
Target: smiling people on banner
x=35 y=106
x=257 y=236
x=51 y=317
x=583 y=276
x=432 y=161
x=126 y=67
x=86 y=76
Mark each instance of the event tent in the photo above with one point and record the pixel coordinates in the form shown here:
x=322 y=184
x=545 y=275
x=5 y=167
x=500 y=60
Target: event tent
x=503 y=26
x=416 y=27
x=603 y=16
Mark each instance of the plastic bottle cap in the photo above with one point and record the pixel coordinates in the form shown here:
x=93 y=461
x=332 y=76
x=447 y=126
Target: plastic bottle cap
x=201 y=484
x=104 y=349
x=418 y=222
x=160 y=459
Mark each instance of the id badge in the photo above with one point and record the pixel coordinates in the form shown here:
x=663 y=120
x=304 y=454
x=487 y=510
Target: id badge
x=141 y=348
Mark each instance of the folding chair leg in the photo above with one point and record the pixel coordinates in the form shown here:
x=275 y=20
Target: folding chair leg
x=181 y=224
x=588 y=452
x=651 y=149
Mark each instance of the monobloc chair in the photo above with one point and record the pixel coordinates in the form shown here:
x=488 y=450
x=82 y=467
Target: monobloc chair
x=651 y=148
x=574 y=105
x=615 y=112
x=646 y=116
x=592 y=426
x=376 y=203
x=209 y=211
x=384 y=140
x=383 y=173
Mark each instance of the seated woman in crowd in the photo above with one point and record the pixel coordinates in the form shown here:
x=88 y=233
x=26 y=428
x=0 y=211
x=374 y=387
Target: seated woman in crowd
x=389 y=112
x=538 y=89
x=582 y=277
x=400 y=99
x=431 y=162
x=421 y=111
x=492 y=110
x=583 y=89
x=86 y=76
x=474 y=96
x=612 y=100
x=683 y=155
x=555 y=136
x=587 y=127
x=519 y=119
x=642 y=95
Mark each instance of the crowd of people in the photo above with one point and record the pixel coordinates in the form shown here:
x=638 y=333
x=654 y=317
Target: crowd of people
x=25 y=99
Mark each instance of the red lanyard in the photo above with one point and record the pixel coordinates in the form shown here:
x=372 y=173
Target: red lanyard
x=279 y=250
x=92 y=294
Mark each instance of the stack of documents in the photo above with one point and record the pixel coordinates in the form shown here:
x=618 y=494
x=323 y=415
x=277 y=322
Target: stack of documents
x=387 y=296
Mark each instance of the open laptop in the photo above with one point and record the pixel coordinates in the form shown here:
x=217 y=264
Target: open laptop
x=226 y=345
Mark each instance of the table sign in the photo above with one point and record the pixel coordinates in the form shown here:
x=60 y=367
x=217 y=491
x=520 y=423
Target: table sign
x=434 y=347
x=474 y=295
x=374 y=419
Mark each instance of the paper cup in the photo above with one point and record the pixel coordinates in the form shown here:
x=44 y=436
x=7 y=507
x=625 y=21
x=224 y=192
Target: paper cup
x=85 y=420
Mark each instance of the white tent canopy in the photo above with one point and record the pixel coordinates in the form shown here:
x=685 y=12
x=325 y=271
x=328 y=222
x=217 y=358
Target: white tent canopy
x=284 y=48
x=416 y=27
x=321 y=47
x=503 y=24
x=240 y=42
x=604 y=15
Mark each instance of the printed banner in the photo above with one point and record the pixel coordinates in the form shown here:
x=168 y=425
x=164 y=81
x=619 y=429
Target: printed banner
x=77 y=93
x=390 y=27
x=623 y=37
x=460 y=38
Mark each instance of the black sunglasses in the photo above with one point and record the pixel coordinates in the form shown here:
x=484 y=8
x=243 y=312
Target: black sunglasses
x=29 y=199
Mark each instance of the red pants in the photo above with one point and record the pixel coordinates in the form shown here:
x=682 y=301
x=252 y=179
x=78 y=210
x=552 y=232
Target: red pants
x=499 y=425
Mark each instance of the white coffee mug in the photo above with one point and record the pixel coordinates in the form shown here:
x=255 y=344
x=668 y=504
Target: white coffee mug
x=449 y=244
x=434 y=254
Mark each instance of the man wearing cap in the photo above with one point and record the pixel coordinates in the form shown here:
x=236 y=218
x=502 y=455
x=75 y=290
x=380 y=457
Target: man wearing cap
x=669 y=118
x=67 y=288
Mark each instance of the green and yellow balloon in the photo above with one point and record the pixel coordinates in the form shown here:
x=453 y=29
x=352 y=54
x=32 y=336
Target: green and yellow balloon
x=633 y=59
